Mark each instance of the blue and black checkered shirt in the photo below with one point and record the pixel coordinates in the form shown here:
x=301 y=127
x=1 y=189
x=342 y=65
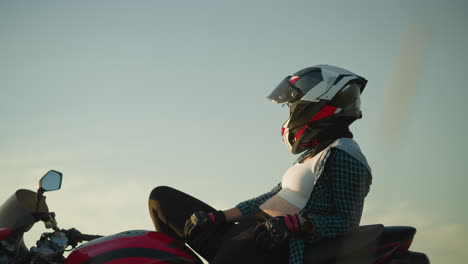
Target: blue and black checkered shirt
x=335 y=204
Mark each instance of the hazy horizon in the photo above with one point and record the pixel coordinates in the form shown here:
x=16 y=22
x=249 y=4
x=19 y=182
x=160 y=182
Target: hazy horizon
x=124 y=97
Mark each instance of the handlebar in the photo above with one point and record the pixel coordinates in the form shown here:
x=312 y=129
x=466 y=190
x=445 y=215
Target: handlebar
x=74 y=237
x=85 y=237
x=51 y=246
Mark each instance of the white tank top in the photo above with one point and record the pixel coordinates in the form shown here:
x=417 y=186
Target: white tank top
x=299 y=180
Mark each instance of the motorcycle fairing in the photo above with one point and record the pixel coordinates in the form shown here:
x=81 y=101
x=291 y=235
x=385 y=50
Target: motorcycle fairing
x=16 y=213
x=138 y=246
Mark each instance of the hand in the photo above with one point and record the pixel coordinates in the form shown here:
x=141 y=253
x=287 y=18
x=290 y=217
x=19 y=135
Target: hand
x=277 y=230
x=202 y=220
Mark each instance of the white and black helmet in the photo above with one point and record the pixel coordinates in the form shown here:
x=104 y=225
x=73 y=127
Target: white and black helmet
x=317 y=97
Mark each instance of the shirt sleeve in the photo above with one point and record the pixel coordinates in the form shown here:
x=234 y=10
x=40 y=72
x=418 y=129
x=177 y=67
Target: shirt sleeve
x=251 y=205
x=349 y=184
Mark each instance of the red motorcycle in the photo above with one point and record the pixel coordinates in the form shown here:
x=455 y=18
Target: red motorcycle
x=372 y=244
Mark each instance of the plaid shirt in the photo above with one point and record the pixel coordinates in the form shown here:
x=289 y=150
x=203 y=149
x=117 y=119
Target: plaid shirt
x=335 y=204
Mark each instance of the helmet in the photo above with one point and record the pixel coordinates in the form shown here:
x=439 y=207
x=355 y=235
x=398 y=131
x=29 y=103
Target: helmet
x=320 y=98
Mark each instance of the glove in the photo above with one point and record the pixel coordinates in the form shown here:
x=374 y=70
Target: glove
x=274 y=232
x=74 y=236
x=202 y=220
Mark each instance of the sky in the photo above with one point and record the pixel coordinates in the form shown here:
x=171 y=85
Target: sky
x=125 y=96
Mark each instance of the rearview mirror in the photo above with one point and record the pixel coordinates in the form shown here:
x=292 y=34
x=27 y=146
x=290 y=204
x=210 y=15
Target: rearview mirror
x=51 y=181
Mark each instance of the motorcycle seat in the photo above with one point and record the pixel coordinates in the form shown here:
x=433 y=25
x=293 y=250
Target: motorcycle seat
x=358 y=243
x=400 y=234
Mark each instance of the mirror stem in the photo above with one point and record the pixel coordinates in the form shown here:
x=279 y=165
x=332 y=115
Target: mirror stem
x=40 y=192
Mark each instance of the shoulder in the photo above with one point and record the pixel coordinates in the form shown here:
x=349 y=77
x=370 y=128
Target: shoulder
x=346 y=172
x=338 y=156
x=348 y=151
x=342 y=162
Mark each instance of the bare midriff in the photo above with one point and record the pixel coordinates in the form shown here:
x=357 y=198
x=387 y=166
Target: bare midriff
x=277 y=206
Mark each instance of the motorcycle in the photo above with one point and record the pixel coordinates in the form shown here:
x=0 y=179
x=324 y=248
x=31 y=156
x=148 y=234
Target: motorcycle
x=373 y=244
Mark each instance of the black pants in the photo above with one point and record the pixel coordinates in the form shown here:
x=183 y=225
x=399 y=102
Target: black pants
x=225 y=244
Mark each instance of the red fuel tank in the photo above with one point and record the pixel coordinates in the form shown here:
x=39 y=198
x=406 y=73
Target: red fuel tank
x=133 y=247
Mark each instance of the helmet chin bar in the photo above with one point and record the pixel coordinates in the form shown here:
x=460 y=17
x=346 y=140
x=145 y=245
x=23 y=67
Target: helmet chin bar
x=327 y=128
x=285 y=134
x=286 y=140
x=305 y=141
x=301 y=136
x=297 y=145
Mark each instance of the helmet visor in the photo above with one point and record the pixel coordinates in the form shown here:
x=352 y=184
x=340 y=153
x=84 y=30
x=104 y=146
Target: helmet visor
x=285 y=92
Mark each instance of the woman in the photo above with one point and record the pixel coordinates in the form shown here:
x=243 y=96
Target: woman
x=320 y=196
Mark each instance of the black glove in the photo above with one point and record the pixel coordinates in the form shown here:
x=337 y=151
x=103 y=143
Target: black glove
x=274 y=232
x=74 y=237
x=201 y=220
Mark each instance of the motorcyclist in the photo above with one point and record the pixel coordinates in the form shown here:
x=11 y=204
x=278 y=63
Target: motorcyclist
x=320 y=196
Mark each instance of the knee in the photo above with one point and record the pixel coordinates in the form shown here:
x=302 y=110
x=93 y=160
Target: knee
x=161 y=192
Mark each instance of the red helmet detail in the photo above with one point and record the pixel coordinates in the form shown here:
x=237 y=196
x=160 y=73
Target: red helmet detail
x=293 y=79
x=4 y=233
x=328 y=110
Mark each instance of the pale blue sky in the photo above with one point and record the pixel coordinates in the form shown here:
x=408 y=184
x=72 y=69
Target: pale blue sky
x=122 y=97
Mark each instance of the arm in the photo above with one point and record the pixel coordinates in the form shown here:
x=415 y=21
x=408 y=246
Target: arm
x=251 y=205
x=233 y=214
x=349 y=185
x=202 y=218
